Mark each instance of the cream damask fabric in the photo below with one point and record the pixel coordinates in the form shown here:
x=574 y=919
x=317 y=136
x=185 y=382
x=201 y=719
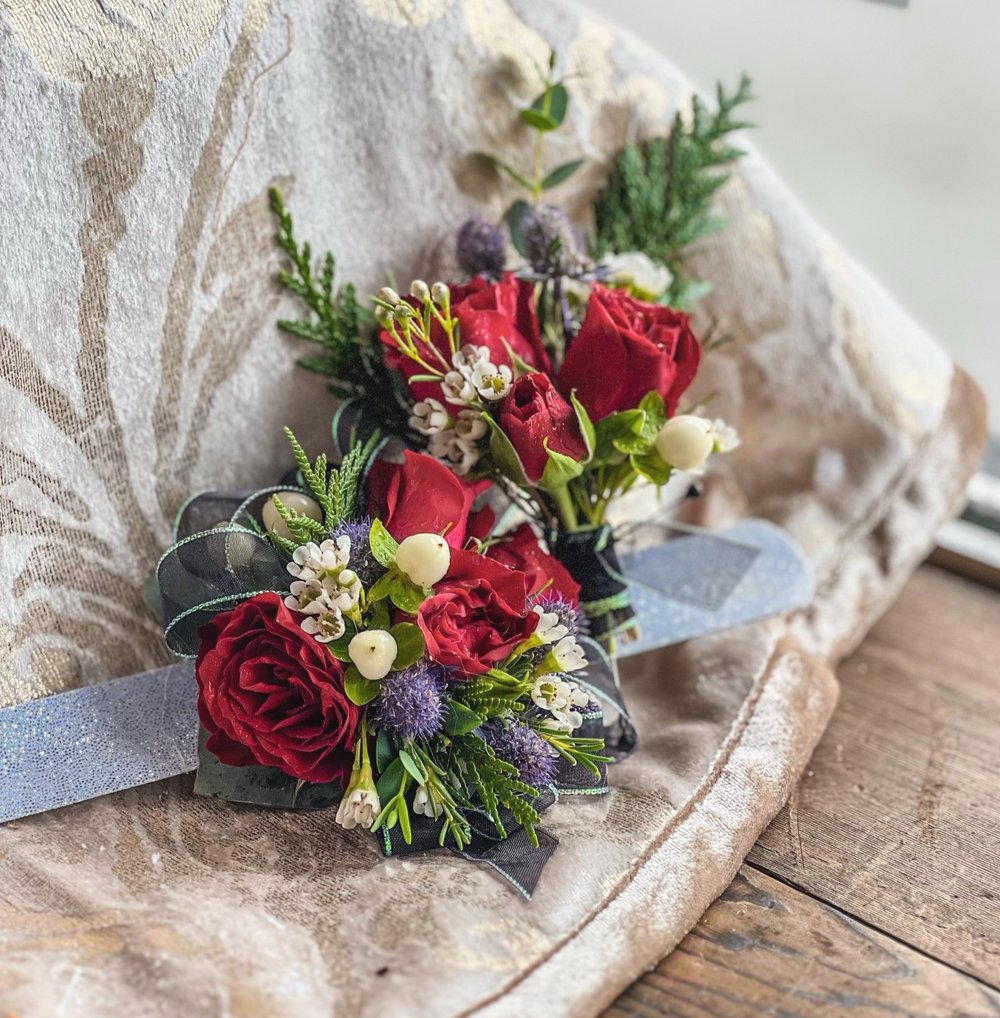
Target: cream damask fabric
x=139 y=363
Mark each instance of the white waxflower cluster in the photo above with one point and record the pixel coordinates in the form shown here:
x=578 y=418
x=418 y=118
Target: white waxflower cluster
x=324 y=587
x=725 y=436
x=453 y=440
x=474 y=374
x=560 y=696
x=568 y=654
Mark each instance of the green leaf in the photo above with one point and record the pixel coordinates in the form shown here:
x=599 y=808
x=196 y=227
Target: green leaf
x=621 y=432
x=387 y=785
x=380 y=590
x=379 y=617
x=505 y=168
x=415 y=770
x=406 y=595
x=459 y=719
x=359 y=690
x=409 y=645
x=404 y=821
x=538 y=120
x=383 y=544
x=561 y=173
x=656 y=415
x=385 y=751
x=652 y=467
x=559 y=470
x=549 y=109
x=505 y=456
x=515 y=223
x=338 y=647
x=586 y=426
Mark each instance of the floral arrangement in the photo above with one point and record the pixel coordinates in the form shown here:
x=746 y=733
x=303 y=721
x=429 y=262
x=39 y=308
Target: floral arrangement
x=423 y=682
x=418 y=633
x=558 y=377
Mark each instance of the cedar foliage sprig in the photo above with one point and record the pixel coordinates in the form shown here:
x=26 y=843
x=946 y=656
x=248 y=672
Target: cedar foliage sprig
x=338 y=323
x=658 y=197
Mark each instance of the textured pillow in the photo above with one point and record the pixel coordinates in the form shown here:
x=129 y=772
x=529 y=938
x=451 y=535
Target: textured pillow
x=139 y=362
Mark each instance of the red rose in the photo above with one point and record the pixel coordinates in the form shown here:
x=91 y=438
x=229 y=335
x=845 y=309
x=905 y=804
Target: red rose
x=477 y=614
x=421 y=496
x=626 y=348
x=494 y=315
x=521 y=550
x=270 y=694
x=533 y=415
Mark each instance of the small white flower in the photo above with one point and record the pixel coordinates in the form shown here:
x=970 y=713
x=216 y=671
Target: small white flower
x=457 y=389
x=725 y=436
x=456 y=453
x=359 y=807
x=470 y=426
x=470 y=357
x=559 y=696
x=325 y=625
x=636 y=271
x=440 y=292
x=492 y=382
x=429 y=417
x=549 y=628
x=569 y=654
x=420 y=290
x=389 y=295
x=424 y=805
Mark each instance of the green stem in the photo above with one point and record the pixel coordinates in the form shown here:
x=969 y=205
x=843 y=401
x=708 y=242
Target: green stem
x=564 y=506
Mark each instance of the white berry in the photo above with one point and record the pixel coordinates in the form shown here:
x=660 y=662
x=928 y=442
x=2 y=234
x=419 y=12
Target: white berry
x=424 y=558
x=373 y=653
x=685 y=442
x=290 y=500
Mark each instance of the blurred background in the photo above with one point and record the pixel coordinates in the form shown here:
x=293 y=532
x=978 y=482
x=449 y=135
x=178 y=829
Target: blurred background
x=884 y=117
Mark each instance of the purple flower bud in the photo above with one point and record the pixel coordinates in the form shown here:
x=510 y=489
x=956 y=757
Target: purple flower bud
x=411 y=702
x=481 y=248
x=522 y=746
x=552 y=243
x=362 y=561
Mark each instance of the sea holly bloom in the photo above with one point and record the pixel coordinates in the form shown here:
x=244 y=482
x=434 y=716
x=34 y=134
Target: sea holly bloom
x=410 y=703
x=559 y=696
x=519 y=744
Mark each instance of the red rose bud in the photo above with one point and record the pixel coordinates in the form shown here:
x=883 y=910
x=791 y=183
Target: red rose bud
x=500 y=316
x=626 y=348
x=521 y=550
x=477 y=614
x=532 y=412
x=421 y=496
x=269 y=694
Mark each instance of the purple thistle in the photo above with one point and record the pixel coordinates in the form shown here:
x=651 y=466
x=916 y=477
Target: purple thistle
x=411 y=702
x=552 y=243
x=481 y=248
x=569 y=613
x=363 y=562
x=522 y=746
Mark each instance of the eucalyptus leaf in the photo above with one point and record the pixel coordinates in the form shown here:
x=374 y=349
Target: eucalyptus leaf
x=538 y=120
x=515 y=223
x=505 y=168
x=561 y=173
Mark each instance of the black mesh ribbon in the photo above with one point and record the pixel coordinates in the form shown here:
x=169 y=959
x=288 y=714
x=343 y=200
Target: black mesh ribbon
x=592 y=561
x=220 y=557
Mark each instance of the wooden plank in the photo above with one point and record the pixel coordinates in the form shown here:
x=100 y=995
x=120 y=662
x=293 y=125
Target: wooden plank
x=897 y=819
x=765 y=948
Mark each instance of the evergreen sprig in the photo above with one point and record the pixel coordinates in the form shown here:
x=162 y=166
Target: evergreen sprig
x=497 y=784
x=338 y=323
x=658 y=197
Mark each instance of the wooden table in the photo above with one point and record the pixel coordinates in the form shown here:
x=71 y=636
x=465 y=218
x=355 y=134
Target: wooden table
x=876 y=891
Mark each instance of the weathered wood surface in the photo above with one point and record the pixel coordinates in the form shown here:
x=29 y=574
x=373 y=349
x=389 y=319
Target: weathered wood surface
x=884 y=869
x=766 y=949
